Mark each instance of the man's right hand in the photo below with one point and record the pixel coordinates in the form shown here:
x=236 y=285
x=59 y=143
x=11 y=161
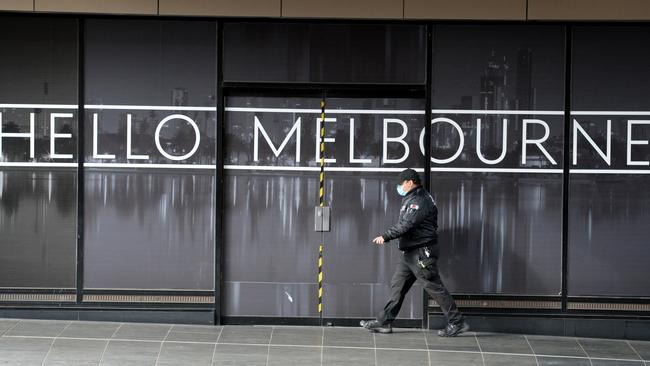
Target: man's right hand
x=378 y=240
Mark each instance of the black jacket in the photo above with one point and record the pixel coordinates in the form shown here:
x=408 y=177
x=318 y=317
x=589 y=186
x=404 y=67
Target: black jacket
x=418 y=221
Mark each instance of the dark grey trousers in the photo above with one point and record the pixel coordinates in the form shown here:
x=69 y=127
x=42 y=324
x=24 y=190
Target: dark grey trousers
x=407 y=272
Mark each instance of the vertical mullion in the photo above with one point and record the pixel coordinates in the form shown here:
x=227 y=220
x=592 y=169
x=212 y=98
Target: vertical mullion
x=80 y=159
x=566 y=166
x=427 y=143
x=219 y=178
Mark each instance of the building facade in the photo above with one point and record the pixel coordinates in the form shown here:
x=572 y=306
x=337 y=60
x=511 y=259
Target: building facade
x=168 y=168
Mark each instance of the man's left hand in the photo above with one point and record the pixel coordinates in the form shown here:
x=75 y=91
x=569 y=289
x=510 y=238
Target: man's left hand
x=378 y=240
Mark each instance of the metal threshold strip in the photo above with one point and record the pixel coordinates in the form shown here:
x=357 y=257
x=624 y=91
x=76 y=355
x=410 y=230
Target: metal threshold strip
x=107 y=298
x=548 y=305
x=31 y=297
x=505 y=304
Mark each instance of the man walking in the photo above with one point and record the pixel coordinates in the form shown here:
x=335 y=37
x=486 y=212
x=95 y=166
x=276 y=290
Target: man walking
x=416 y=230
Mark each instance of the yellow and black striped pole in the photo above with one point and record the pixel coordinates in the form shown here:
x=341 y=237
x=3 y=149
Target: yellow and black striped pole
x=321 y=197
x=321 y=194
x=320 y=283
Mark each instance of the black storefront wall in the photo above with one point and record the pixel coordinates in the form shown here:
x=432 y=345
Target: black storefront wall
x=502 y=217
x=135 y=72
x=503 y=87
x=608 y=209
x=39 y=204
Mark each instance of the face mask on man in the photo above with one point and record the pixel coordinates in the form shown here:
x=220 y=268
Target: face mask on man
x=401 y=191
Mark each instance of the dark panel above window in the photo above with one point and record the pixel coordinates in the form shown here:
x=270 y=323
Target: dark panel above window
x=322 y=53
x=38 y=62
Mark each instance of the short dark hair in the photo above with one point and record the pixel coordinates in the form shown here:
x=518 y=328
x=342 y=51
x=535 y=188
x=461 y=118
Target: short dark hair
x=409 y=174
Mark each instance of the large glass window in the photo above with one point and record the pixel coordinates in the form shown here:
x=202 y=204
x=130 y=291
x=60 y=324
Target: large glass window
x=294 y=52
x=610 y=155
x=38 y=154
x=497 y=155
x=150 y=154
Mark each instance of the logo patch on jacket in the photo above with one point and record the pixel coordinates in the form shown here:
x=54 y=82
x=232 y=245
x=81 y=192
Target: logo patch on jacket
x=414 y=206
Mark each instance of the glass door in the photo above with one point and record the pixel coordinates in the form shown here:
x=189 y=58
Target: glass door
x=272 y=186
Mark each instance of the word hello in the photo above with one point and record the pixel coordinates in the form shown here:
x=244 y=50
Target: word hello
x=54 y=120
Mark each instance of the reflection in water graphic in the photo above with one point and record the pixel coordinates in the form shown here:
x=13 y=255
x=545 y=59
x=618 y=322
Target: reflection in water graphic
x=608 y=236
x=52 y=186
x=272 y=244
x=274 y=248
x=500 y=233
x=38 y=226
x=358 y=272
x=149 y=230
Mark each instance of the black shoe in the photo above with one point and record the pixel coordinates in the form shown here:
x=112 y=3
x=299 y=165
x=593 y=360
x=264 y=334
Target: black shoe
x=452 y=330
x=374 y=326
